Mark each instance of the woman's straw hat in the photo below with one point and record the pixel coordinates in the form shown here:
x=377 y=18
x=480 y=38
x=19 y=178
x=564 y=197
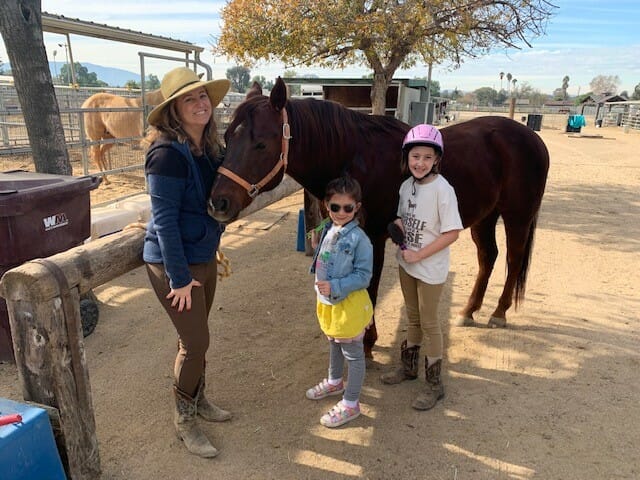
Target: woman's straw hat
x=182 y=80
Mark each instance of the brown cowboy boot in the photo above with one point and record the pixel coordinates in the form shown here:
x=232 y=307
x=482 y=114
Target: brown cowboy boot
x=434 y=390
x=207 y=410
x=186 y=427
x=409 y=368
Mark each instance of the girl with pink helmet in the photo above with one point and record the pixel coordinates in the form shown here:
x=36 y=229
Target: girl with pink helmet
x=428 y=222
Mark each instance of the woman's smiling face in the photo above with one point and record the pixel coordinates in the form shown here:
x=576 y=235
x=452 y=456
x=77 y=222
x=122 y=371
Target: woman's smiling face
x=194 y=108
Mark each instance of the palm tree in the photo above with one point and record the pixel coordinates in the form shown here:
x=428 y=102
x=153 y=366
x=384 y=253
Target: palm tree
x=509 y=77
x=565 y=86
x=514 y=85
x=501 y=77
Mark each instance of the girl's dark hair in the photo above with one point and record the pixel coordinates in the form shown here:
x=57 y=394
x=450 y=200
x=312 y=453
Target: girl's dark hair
x=346 y=185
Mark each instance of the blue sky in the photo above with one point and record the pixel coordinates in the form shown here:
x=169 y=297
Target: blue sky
x=583 y=39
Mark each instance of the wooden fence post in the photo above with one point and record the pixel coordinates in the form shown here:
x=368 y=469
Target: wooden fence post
x=44 y=314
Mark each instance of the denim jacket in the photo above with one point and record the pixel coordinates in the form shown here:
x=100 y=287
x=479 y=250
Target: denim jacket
x=180 y=232
x=351 y=267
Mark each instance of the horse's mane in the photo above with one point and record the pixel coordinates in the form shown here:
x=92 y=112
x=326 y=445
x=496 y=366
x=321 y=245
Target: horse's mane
x=339 y=123
x=331 y=118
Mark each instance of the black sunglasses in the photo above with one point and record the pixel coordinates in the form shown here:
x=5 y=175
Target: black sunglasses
x=335 y=208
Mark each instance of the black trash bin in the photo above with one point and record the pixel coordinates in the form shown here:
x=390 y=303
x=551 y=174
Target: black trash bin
x=40 y=215
x=534 y=121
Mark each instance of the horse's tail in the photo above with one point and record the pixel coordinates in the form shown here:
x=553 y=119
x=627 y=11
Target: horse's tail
x=521 y=281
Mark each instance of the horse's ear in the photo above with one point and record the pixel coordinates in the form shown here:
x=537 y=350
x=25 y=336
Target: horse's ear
x=279 y=94
x=255 y=89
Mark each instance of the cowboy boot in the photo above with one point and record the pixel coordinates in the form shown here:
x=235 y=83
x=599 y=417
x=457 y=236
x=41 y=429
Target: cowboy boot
x=186 y=427
x=434 y=389
x=207 y=410
x=409 y=368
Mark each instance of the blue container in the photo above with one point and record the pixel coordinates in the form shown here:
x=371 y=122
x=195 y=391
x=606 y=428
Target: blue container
x=301 y=245
x=28 y=450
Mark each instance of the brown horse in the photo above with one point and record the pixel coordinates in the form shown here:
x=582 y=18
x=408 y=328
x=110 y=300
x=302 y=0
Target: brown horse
x=497 y=166
x=102 y=125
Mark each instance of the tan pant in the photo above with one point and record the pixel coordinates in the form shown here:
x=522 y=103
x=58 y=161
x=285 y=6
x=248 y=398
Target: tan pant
x=421 y=301
x=192 y=326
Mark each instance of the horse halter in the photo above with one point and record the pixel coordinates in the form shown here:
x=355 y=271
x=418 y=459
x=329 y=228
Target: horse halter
x=254 y=189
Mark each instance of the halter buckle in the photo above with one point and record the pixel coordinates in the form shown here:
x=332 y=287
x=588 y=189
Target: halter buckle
x=253 y=191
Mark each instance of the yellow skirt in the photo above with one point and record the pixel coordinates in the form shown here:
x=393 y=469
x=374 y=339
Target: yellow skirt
x=348 y=318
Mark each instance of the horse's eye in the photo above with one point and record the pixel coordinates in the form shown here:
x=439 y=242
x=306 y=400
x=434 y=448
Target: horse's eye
x=260 y=146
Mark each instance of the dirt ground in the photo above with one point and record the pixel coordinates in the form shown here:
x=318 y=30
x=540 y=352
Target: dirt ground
x=552 y=396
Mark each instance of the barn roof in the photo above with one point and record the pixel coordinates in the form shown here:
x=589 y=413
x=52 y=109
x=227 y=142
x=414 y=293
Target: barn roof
x=64 y=25
x=603 y=98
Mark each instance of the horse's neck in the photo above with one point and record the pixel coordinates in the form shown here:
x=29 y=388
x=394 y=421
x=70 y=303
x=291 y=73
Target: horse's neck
x=153 y=97
x=306 y=165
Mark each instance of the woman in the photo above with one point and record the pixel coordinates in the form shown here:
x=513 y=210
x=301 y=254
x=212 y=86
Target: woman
x=181 y=240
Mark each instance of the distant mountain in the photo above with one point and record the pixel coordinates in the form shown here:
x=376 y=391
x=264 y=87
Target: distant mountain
x=114 y=77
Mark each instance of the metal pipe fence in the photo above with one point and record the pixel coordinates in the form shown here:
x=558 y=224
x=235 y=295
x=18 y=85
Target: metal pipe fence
x=125 y=160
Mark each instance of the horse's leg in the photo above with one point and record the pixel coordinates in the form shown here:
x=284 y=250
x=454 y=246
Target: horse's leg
x=95 y=152
x=483 y=234
x=104 y=154
x=312 y=218
x=371 y=335
x=519 y=240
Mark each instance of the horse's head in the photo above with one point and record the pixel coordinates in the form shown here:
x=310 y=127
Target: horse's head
x=257 y=142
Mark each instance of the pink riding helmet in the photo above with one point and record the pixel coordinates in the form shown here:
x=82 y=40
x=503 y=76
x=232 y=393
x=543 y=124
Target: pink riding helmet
x=423 y=134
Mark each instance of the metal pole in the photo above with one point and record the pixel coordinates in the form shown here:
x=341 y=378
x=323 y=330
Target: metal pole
x=73 y=70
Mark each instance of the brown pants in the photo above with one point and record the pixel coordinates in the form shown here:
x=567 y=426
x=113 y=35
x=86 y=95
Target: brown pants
x=193 y=325
x=421 y=300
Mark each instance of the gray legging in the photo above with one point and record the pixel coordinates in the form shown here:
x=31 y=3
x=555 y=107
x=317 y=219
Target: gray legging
x=354 y=354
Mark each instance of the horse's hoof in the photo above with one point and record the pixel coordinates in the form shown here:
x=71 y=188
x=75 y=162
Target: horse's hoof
x=464 y=321
x=497 y=322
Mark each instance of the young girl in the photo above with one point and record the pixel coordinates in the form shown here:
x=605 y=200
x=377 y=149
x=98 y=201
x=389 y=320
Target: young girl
x=343 y=265
x=429 y=218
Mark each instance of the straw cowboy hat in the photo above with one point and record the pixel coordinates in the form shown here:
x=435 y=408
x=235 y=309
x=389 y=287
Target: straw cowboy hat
x=182 y=80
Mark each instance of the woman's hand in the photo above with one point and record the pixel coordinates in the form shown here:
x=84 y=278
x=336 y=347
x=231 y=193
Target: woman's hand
x=182 y=296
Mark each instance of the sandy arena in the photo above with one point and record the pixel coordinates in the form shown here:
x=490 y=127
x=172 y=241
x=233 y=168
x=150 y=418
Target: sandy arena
x=554 y=396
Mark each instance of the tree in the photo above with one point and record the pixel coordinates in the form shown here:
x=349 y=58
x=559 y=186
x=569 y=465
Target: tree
x=152 y=82
x=509 y=77
x=267 y=85
x=239 y=77
x=486 y=96
x=84 y=78
x=535 y=97
x=132 y=85
x=501 y=77
x=1 y=68
x=558 y=94
x=565 y=86
x=383 y=35
x=605 y=85
x=21 y=28
x=636 y=93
